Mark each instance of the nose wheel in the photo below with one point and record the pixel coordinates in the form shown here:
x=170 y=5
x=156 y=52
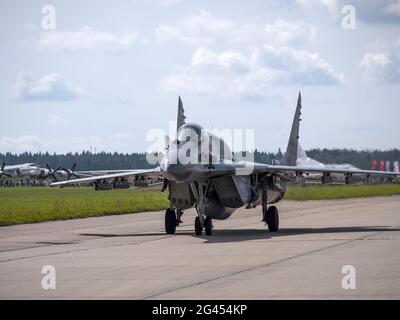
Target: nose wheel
x=207 y=225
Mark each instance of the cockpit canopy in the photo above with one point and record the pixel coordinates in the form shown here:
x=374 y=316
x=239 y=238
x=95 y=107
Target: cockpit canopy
x=190 y=131
x=207 y=143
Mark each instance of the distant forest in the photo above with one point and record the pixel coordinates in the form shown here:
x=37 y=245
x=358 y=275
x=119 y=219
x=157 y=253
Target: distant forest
x=106 y=160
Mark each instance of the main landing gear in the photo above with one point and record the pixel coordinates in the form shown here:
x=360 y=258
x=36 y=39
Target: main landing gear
x=270 y=214
x=271 y=217
x=172 y=220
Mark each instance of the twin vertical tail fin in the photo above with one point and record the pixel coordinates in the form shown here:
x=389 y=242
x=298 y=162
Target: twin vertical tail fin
x=180 y=121
x=291 y=155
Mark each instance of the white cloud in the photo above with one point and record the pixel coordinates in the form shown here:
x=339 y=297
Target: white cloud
x=329 y=6
x=20 y=144
x=231 y=73
x=121 y=141
x=381 y=67
x=51 y=87
x=199 y=28
x=273 y=58
x=300 y=67
x=392 y=8
x=282 y=32
x=87 y=38
x=368 y=10
x=167 y=3
x=56 y=120
x=205 y=29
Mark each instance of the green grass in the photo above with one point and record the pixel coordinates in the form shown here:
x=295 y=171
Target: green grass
x=326 y=192
x=28 y=205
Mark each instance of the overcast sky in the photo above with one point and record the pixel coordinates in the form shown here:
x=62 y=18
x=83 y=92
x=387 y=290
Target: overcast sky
x=112 y=70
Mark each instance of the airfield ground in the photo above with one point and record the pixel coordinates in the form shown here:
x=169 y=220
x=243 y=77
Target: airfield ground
x=130 y=256
x=27 y=205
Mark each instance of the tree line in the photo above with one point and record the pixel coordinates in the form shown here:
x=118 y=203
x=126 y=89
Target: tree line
x=113 y=161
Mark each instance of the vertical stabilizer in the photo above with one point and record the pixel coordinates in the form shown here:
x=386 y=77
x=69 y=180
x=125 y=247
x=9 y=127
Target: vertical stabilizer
x=180 y=121
x=290 y=157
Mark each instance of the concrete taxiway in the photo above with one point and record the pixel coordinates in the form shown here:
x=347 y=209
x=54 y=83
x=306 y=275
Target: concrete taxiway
x=130 y=256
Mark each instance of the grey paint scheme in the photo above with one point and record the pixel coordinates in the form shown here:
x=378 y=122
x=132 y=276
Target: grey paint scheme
x=290 y=156
x=180 y=121
x=215 y=188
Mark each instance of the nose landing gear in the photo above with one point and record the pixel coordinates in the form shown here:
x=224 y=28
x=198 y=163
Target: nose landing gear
x=207 y=224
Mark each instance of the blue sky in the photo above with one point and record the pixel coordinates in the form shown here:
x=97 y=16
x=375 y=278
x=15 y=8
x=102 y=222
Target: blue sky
x=111 y=71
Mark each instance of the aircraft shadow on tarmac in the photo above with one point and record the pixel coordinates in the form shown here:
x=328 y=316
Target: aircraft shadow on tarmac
x=235 y=235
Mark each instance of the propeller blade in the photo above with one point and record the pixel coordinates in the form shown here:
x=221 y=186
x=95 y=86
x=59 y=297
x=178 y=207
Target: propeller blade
x=2 y=173
x=54 y=173
x=51 y=173
x=58 y=168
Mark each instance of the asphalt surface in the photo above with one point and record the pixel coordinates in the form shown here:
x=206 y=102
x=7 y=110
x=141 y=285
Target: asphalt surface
x=130 y=256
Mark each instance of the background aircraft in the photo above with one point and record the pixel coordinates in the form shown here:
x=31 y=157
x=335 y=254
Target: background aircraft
x=34 y=171
x=215 y=183
x=27 y=170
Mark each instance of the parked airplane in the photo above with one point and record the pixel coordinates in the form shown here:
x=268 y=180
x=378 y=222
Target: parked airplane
x=304 y=160
x=27 y=170
x=215 y=183
x=34 y=171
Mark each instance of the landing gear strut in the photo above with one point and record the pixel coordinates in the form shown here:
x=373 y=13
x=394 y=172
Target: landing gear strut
x=199 y=191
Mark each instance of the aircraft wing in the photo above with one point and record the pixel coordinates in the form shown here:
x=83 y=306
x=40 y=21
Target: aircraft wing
x=131 y=173
x=89 y=173
x=290 y=170
x=247 y=168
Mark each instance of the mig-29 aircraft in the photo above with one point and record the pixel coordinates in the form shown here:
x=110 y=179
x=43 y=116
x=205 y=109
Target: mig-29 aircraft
x=215 y=183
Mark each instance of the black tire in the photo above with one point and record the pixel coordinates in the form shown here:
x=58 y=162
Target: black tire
x=208 y=226
x=273 y=219
x=198 y=229
x=170 y=221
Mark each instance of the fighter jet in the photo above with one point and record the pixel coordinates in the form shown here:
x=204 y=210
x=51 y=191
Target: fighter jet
x=200 y=171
